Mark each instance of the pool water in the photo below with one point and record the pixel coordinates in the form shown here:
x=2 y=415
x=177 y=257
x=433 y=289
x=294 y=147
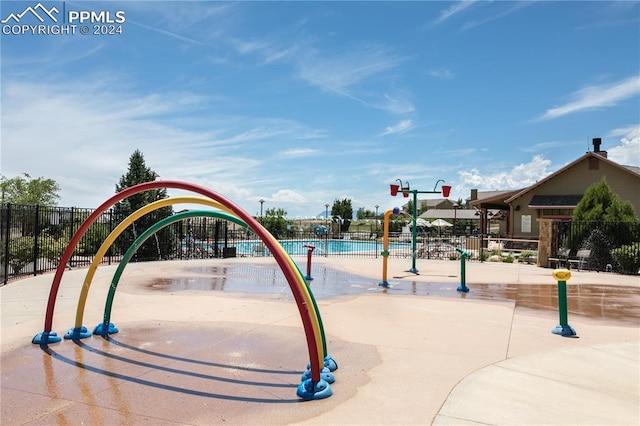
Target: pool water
x=297 y=247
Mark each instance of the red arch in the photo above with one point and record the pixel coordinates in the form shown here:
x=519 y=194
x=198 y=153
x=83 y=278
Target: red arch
x=303 y=308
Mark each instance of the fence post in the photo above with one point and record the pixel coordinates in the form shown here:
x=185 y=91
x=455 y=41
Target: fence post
x=7 y=235
x=36 y=231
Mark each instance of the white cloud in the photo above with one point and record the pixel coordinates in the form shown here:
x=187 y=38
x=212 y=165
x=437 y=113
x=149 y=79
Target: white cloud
x=396 y=105
x=453 y=10
x=288 y=196
x=520 y=176
x=82 y=136
x=401 y=127
x=592 y=97
x=343 y=71
x=299 y=152
x=442 y=73
x=628 y=152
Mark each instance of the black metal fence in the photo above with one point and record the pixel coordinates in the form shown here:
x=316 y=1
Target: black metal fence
x=604 y=246
x=33 y=238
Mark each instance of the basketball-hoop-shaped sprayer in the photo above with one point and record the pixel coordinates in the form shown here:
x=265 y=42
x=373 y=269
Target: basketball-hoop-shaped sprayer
x=405 y=190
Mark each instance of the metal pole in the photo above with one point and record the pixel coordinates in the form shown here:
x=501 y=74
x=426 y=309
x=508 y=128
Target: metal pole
x=414 y=232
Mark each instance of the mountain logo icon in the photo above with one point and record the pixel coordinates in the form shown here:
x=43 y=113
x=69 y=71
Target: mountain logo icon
x=38 y=11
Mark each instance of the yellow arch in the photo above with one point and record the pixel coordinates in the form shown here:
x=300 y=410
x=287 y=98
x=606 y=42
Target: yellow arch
x=116 y=233
x=192 y=200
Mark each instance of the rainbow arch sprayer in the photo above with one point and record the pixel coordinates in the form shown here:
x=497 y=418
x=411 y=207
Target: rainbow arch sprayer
x=315 y=381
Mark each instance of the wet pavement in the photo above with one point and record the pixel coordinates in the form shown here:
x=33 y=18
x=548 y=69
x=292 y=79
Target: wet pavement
x=212 y=342
x=595 y=301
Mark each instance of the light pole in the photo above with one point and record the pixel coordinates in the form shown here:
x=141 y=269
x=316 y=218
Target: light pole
x=377 y=206
x=405 y=190
x=261 y=203
x=326 y=234
x=326 y=214
x=456 y=206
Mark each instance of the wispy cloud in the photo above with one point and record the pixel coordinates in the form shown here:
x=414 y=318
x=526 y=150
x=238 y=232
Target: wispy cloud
x=98 y=129
x=593 y=97
x=453 y=10
x=442 y=73
x=401 y=127
x=394 y=104
x=342 y=72
x=543 y=146
x=513 y=7
x=245 y=47
x=166 y=33
x=299 y=152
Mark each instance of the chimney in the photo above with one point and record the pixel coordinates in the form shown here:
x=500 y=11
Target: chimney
x=596 y=147
x=474 y=195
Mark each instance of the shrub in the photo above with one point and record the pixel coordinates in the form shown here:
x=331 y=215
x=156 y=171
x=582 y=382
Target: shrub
x=528 y=257
x=627 y=258
x=483 y=255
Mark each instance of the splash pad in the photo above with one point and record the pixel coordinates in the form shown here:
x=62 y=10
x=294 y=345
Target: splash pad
x=315 y=382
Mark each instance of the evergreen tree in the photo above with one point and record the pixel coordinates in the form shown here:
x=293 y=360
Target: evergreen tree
x=597 y=218
x=162 y=246
x=344 y=209
x=600 y=204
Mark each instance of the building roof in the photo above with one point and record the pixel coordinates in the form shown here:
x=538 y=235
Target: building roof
x=450 y=214
x=628 y=169
x=493 y=199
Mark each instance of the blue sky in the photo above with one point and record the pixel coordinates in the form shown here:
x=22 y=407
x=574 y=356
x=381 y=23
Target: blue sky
x=304 y=103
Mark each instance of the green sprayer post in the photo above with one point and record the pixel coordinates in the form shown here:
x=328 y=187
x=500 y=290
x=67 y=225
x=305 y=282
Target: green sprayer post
x=563 y=329
x=463 y=279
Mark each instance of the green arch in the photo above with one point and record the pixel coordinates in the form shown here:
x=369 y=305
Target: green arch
x=144 y=237
x=105 y=326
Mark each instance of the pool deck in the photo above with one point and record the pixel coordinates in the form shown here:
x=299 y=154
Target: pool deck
x=213 y=357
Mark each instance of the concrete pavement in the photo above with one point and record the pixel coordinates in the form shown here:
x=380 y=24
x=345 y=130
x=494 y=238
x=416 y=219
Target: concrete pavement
x=416 y=353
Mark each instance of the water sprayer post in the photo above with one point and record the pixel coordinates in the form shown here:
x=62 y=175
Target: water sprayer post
x=385 y=245
x=464 y=255
x=310 y=249
x=563 y=329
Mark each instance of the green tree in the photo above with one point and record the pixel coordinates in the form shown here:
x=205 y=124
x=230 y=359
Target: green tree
x=275 y=221
x=409 y=207
x=600 y=204
x=344 y=209
x=363 y=213
x=163 y=243
x=29 y=191
x=597 y=217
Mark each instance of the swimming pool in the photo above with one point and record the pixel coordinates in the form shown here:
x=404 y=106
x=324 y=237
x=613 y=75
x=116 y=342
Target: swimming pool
x=297 y=247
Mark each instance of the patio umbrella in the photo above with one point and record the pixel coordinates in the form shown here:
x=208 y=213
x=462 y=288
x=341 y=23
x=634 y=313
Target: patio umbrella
x=441 y=223
x=421 y=222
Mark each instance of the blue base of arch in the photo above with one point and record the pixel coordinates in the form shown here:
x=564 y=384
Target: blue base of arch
x=310 y=390
x=77 y=333
x=325 y=375
x=103 y=331
x=46 y=337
